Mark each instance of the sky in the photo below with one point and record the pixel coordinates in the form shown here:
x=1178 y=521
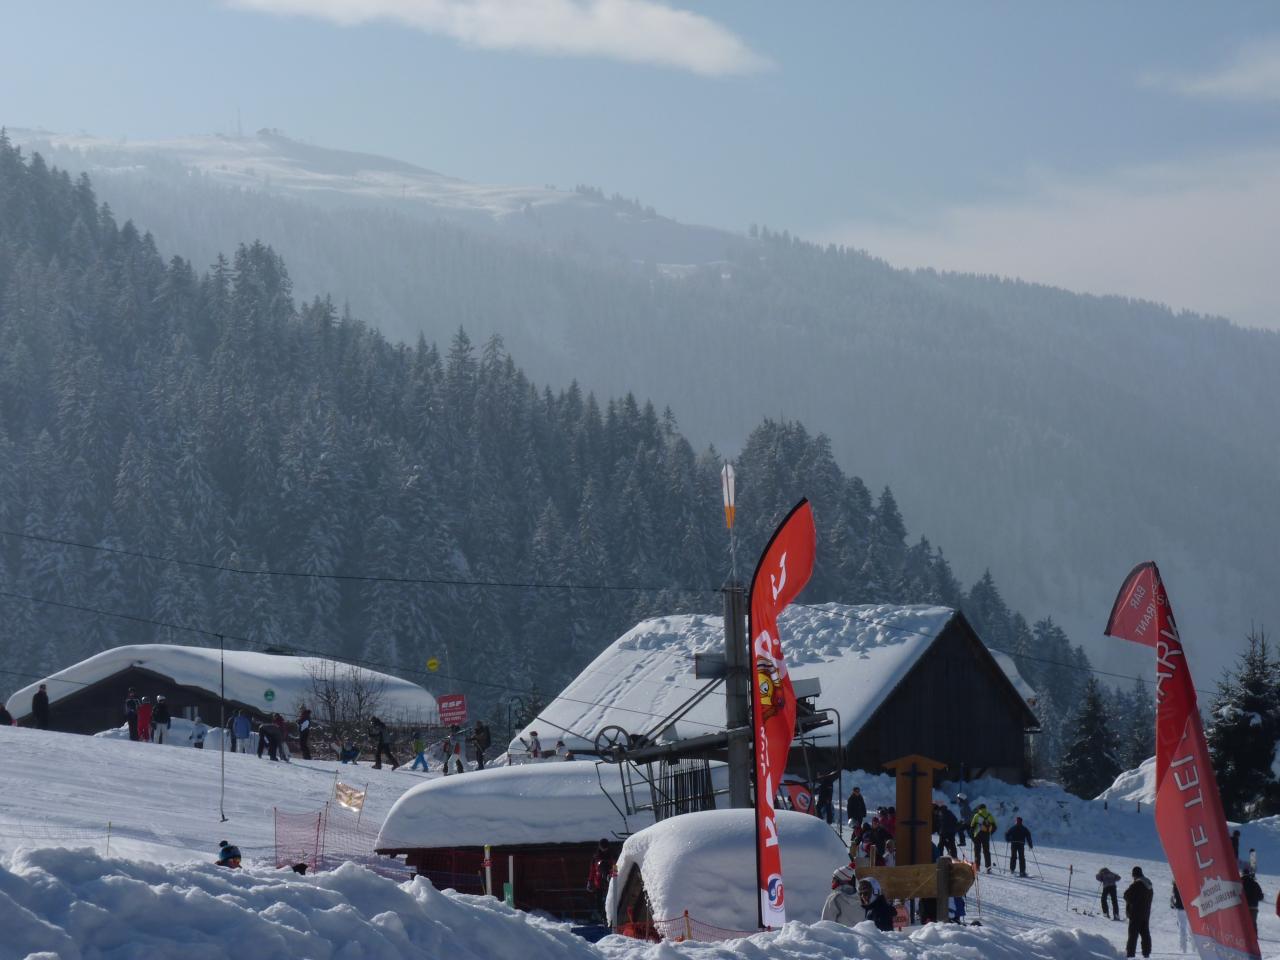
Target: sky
x=1113 y=148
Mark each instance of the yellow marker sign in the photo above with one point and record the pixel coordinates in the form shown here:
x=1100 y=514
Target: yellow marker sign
x=433 y=664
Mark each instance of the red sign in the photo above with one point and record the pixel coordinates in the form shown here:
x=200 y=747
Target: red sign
x=453 y=709
x=783 y=570
x=1189 y=817
x=800 y=797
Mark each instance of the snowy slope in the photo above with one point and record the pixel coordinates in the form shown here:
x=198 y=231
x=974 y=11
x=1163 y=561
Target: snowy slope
x=157 y=897
x=249 y=678
x=859 y=653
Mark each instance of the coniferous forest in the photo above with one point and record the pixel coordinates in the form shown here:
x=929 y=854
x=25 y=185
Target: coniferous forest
x=332 y=491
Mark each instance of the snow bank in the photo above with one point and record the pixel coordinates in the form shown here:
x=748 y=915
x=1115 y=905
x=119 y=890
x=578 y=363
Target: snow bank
x=555 y=802
x=1134 y=787
x=75 y=905
x=705 y=862
x=829 y=941
x=266 y=681
x=859 y=653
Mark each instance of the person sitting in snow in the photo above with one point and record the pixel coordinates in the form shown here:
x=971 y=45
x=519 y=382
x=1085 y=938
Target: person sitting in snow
x=228 y=855
x=350 y=753
x=875 y=907
x=842 y=904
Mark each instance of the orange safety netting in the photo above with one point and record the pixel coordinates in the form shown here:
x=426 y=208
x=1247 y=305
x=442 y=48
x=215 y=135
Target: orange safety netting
x=680 y=929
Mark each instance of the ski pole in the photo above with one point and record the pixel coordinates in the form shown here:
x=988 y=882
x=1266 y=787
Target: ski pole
x=1039 y=872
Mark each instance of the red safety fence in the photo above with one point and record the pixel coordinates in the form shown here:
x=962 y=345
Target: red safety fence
x=680 y=929
x=327 y=838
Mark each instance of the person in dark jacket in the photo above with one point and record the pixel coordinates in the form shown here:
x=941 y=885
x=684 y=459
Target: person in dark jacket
x=304 y=731
x=269 y=738
x=598 y=874
x=876 y=908
x=228 y=855
x=966 y=814
x=378 y=736
x=1019 y=839
x=826 y=796
x=1137 y=907
x=160 y=721
x=6 y=718
x=40 y=708
x=947 y=826
x=1252 y=894
x=482 y=739
x=131 y=713
x=856 y=808
x=1109 y=879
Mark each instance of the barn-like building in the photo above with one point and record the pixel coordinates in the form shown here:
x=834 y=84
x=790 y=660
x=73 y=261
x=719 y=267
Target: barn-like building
x=893 y=681
x=89 y=696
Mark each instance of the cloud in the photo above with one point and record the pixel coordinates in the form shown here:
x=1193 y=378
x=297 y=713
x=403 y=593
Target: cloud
x=634 y=31
x=1199 y=235
x=1253 y=75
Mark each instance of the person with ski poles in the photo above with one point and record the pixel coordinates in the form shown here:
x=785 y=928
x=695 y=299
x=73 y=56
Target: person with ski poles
x=1109 y=878
x=981 y=827
x=1019 y=839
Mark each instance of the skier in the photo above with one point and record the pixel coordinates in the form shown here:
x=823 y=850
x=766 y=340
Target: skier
x=144 y=720
x=196 y=736
x=228 y=855
x=535 y=745
x=982 y=826
x=1109 y=878
x=269 y=740
x=826 y=795
x=875 y=907
x=378 y=736
x=598 y=875
x=842 y=902
x=1252 y=894
x=1019 y=839
x=1137 y=907
x=160 y=721
x=242 y=731
x=947 y=826
x=304 y=731
x=420 y=752
x=40 y=708
x=131 y=713
x=855 y=808
x=482 y=740
x=965 y=816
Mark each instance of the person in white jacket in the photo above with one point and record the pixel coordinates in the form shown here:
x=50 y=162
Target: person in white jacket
x=843 y=905
x=196 y=736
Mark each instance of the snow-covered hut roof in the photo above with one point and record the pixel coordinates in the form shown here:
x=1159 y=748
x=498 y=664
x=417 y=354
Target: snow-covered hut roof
x=554 y=801
x=706 y=863
x=249 y=676
x=858 y=653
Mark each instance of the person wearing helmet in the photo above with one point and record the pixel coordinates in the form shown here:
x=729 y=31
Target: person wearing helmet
x=842 y=904
x=875 y=907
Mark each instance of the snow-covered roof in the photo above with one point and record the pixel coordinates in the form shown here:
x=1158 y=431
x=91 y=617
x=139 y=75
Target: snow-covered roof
x=706 y=863
x=249 y=678
x=554 y=801
x=858 y=653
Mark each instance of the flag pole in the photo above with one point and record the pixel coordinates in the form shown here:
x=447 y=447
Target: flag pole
x=222 y=727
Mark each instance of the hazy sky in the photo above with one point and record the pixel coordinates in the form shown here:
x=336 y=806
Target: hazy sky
x=1111 y=147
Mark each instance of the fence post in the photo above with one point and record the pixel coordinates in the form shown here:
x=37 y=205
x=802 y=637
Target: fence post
x=688 y=929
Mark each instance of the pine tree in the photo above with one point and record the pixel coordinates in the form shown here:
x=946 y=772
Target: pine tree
x=1090 y=764
x=1139 y=740
x=1243 y=731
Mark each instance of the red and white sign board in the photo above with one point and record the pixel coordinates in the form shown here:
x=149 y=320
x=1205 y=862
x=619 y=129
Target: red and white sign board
x=453 y=708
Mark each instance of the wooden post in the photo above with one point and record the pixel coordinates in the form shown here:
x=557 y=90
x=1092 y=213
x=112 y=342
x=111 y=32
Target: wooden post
x=943 y=890
x=914 y=808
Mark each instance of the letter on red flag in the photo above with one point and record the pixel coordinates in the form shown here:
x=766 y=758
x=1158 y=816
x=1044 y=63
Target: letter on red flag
x=1189 y=817
x=783 y=570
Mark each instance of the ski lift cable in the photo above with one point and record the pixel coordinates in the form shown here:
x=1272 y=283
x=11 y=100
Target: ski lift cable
x=358 y=578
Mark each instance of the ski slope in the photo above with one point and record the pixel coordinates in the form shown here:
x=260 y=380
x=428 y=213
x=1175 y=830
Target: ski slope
x=156 y=895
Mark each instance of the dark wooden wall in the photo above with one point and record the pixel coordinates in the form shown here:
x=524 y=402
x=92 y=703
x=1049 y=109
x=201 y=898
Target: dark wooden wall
x=955 y=706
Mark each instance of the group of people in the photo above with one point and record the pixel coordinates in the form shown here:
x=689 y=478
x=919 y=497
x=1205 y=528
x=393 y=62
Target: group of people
x=149 y=721
x=536 y=751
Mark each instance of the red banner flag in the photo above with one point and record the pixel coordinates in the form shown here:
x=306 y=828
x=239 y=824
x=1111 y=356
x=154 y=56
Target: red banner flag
x=1189 y=817
x=800 y=798
x=783 y=570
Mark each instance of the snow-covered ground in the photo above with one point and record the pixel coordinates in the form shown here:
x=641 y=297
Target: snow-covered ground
x=156 y=894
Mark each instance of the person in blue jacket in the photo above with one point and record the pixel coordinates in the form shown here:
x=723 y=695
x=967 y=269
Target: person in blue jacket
x=241 y=731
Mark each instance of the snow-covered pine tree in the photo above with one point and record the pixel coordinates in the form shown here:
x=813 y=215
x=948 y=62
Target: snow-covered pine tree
x=1089 y=764
x=1244 y=726
x=1139 y=737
